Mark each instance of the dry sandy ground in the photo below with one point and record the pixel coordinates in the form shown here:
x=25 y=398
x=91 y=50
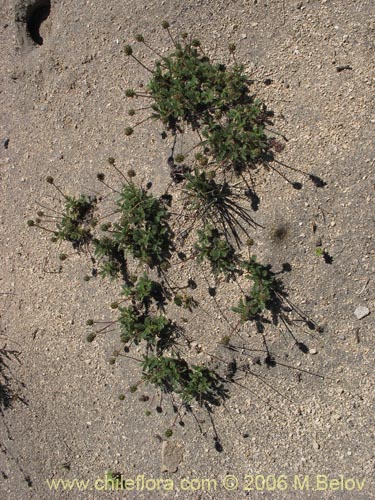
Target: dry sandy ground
x=64 y=112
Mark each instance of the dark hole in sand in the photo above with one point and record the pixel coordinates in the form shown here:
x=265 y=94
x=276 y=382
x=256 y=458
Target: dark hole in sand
x=37 y=14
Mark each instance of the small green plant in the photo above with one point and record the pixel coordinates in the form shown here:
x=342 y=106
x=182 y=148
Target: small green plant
x=143 y=228
x=136 y=326
x=215 y=248
x=239 y=139
x=323 y=252
x=76 y=223
x=113 y=261
x=319 y=251
x=175 y=375
x=164 y=372
x=199 y=384
x=261 y=292
x=143 y=291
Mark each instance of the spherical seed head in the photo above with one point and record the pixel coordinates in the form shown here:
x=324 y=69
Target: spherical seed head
x=89 y=322
x=147 y=413
x=104 y=227
x=139 y=38
x=121 y=397
x=31 y=223
x=49 y=179
x=133 y=388
x=63 y=256
x=232 y=47
x=100 y=176
x=196 y=43
x=54 y=239
x=128 y=50
x=40 y=213
x=114 y=305
x=129 y=131
x=90 y=337
x=38 y=221
x=131 y=112
x=184 y=35
x=131 y=173
x=130 y=93
x=165 y=25
x=180 y=158
x=112 y=361
x=111 y=160
x=86 y=278
x=168 y=433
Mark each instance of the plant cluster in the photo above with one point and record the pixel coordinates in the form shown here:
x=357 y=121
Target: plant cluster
x=186 y=89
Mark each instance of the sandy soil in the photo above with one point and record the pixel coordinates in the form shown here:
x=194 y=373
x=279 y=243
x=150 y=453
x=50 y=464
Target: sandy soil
x=63 y=114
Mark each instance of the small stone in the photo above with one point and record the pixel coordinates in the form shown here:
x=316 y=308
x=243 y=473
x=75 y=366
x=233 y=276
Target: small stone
x=172 y=454
x=254 y=25
x=243 y=36
x=361 y=312
x=313 y=351
x=5 y=142
x=316 y=446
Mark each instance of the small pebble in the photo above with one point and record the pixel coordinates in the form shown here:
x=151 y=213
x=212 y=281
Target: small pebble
x=361 y=312
x=313 y=351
